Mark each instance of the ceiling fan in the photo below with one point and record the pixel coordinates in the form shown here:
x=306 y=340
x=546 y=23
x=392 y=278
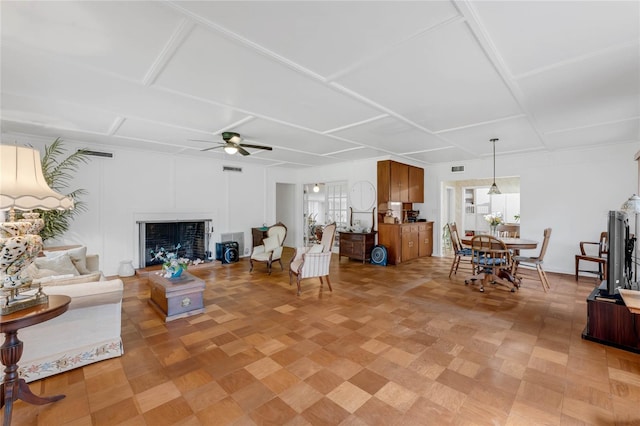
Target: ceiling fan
x=232 y=144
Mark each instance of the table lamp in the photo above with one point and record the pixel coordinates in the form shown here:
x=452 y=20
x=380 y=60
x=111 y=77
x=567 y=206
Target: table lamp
x=22 y=187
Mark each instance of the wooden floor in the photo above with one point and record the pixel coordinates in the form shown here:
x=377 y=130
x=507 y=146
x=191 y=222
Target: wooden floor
x=391 y=345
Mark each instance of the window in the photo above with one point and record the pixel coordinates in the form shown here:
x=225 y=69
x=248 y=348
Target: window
x=337 y=196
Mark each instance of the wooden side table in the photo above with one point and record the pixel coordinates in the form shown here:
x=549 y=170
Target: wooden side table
x=13 y=387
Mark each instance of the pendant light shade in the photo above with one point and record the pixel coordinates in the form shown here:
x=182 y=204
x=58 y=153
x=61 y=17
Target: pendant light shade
x=494 y=188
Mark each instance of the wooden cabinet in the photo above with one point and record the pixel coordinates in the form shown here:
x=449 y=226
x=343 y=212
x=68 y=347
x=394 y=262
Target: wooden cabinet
x=416 y=184
x=406 y=241
x=425 y=239
x=258 y=234
x=409 y=240
x=400 y=182
x=611 y=323
x=357 y=245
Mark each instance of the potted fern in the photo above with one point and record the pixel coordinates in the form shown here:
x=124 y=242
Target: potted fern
x=58 y=171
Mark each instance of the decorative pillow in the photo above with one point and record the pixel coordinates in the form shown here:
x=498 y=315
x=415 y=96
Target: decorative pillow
x=61 y=264
x=316 y=248
x=65 y=280
x=78 y=257
x=270 y=244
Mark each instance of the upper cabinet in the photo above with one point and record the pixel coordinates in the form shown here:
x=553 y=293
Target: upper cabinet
x=400 y=182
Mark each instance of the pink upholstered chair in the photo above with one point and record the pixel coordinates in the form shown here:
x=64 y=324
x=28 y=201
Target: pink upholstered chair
x=314 y=261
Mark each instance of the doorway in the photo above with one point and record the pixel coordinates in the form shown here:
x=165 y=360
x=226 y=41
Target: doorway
x=323 y=203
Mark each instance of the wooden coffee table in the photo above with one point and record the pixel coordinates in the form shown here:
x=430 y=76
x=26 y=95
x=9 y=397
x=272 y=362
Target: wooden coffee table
x=175 y=298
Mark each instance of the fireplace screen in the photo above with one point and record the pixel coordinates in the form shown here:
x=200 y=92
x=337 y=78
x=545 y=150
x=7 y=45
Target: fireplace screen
x=192 y=236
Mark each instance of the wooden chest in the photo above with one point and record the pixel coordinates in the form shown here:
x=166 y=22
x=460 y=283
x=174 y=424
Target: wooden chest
x=357 y=245
x=176 y=297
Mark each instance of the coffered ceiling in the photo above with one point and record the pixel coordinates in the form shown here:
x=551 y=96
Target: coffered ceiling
x=324 y=82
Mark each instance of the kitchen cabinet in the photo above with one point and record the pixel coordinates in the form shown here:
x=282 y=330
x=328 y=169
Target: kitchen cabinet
x=400 y=182
x=406 y=241
x=416 y=184
x=425 y=239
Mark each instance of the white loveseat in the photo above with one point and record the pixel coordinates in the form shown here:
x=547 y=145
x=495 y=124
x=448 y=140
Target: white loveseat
x=88 y=332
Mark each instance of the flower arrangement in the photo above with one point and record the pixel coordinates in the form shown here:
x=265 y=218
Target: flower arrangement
x=494 y=219
x=172 y=265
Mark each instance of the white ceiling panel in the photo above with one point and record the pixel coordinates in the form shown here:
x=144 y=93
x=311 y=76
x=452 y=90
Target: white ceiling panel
x=51 y=78
x=611 y=133
x=119 y=37
x=264 y=132
x=359 y=154
x=299 y=158
x=446 y=155
x=596 y=90
x=389 y=133
x=535 y=34
x=328 y=36
x=208 y=62
x=515 y=135
x=54 y=115
x=323 y=82
x=439 y=80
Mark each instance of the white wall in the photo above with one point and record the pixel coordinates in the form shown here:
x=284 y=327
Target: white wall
x=570 y=191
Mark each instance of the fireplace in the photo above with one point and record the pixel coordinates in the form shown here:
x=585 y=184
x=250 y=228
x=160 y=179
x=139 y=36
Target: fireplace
x=191 y=235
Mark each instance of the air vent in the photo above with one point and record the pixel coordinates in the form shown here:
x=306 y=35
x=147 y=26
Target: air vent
x=457 y=169
x=96 y=153
x=231 y=169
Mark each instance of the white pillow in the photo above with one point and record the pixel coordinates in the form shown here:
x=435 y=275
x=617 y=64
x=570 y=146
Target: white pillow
x=316 y=248
x=270 y=244
x=62 y=265
x=78 y=257
x=66 y=280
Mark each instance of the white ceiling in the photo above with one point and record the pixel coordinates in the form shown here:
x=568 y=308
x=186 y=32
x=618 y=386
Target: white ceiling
x=324 y=82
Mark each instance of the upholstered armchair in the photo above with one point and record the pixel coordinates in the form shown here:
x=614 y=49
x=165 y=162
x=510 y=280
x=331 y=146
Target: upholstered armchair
x=271 y=248
x=314 y=261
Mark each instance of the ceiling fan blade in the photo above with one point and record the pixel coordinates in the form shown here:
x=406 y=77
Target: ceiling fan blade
x=213 y=147
x=268 y=148
x=242 y=151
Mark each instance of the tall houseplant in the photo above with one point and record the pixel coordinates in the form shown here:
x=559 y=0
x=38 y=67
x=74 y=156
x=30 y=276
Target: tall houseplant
x=58 y=171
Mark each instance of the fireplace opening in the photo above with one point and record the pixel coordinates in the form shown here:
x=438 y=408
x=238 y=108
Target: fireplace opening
x=192 y=236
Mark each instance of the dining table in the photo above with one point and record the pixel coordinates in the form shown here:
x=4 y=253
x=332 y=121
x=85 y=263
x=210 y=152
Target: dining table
x=515 y=244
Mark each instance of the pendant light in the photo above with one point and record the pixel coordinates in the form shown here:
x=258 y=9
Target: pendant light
x=316 y=188
x=494 y=188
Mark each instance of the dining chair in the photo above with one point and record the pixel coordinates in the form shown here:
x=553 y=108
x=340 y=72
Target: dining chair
x=314 y=261
x=588 y=253
x=492 y=260
x=509 y=230
x=459 y=251
x=535 y=261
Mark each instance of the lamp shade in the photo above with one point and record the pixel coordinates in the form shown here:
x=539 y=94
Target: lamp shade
x=22 y=184
x=632 y=205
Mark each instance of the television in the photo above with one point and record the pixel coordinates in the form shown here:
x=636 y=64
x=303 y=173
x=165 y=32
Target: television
x=618 y=241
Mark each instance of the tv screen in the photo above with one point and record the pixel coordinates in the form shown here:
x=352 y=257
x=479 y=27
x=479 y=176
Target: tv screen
x=618 y=237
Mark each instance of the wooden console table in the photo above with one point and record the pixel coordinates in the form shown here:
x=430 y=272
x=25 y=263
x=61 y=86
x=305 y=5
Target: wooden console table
x=13 y=387
x=258 y=234
x=357 y=245
x=611 y=322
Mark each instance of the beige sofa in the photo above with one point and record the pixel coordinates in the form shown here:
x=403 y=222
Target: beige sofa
x=88 y=332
